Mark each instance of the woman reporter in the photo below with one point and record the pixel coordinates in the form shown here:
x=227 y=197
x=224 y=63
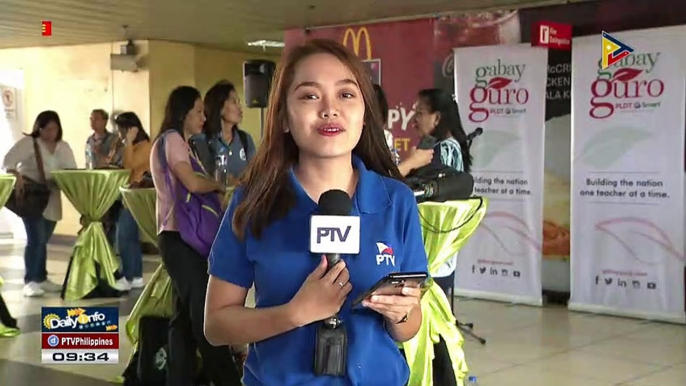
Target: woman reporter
x=323 y=131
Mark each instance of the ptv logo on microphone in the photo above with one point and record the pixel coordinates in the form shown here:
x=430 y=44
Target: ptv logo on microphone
x=335 y=234
x=331 y=233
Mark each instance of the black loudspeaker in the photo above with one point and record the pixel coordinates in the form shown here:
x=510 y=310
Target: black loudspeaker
x=257 y=80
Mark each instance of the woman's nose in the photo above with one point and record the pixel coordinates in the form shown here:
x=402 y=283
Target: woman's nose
x=329 y=109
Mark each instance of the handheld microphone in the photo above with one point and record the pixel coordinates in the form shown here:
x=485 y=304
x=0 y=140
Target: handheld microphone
x=450 y=187
x=333 y=231
x=475 y=133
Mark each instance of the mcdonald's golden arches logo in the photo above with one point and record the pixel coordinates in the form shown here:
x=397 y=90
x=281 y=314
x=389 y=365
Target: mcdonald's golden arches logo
x=357 y=39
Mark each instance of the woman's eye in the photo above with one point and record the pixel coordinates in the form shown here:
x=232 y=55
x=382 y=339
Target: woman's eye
x=309 y=96
x=348 y=95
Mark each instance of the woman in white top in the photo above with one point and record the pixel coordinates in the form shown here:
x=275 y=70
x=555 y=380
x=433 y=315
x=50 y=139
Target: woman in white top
x=21 y=161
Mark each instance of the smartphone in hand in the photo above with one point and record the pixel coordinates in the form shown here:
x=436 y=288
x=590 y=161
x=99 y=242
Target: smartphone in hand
x=427 y=142
x=393 y=283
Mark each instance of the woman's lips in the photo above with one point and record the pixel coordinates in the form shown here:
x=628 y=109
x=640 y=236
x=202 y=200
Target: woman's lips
x=330 y=130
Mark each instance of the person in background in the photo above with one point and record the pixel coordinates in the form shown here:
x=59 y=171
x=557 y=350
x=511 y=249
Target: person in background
x=417 y=157
x=437 y=115
x=323 y=131
x=224 y=113
x=136 y=158
x=21 y=161
x=102 y=142
x=184 y=117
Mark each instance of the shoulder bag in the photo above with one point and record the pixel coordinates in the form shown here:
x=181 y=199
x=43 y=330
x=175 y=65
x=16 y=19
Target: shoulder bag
x=35 y=196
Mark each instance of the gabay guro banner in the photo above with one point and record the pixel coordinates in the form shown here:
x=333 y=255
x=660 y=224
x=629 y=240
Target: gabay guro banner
x=628 y=174
x=502 y=90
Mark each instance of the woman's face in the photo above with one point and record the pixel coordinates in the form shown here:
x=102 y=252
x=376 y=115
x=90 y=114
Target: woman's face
x=195 y=118
x=325 y=107
x=232 y=111
x=424 y=121
x=49 y=132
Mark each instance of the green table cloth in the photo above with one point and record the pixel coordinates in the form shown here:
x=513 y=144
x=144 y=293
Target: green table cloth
x=156 y=297
x=142 y=200
x=446 y=227
x=92 y=192
x=7 y=182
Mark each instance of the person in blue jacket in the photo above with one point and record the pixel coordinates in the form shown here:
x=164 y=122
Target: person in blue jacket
x=323 y=131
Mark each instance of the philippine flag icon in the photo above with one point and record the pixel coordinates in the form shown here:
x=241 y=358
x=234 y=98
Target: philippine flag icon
x=384 y=249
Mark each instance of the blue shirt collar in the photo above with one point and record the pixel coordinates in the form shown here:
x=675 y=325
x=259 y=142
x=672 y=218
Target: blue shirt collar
x=371 y=195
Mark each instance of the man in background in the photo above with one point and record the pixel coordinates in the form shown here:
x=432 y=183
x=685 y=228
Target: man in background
x=104 y=144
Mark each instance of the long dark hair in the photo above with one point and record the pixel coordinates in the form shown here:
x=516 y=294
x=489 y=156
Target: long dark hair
x=180 y=102
x=268 y=194
x=449 y=124
x=214 y=103
x=383 y=103
x=42 y=120
x=126 y=121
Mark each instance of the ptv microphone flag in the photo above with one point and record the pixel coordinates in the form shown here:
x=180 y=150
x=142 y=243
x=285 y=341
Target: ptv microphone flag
x=335 y=234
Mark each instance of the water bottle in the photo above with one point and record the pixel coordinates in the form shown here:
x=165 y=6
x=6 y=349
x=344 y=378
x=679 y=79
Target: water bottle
x=89 y=156
x=396 y=155
x=471 y=381
x=221 y=169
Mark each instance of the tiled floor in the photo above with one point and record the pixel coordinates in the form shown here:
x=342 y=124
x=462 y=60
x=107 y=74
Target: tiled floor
x=526 y=346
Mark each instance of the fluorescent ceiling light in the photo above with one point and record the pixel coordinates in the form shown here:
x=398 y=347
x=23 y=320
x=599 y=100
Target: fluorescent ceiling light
x=266 y=43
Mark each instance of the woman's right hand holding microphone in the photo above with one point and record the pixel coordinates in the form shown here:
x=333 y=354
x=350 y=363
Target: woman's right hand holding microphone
x=322 y=294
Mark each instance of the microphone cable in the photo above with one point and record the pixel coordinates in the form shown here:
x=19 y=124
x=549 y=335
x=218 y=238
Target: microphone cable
x=424 y=223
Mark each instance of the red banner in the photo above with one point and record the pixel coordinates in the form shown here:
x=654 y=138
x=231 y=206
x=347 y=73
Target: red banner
x=394 y=58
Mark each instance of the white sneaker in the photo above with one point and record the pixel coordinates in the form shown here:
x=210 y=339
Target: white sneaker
x=49 y=286
x=122 y=285
x=137 y=283
x=33 y=290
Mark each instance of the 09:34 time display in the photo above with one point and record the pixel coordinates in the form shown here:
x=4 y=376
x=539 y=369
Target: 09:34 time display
x=80 y=357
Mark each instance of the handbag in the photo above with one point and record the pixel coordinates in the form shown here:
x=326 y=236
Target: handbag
x=198 y=215
x=36 y=194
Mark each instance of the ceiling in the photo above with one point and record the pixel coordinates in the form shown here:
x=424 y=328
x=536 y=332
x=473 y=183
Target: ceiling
x=227 y=24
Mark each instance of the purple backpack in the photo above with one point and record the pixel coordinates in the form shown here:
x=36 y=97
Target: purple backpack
x=198 y=215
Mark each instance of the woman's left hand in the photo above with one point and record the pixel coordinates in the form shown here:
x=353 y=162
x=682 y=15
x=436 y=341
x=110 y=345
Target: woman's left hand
x=131 y=135
x=395 y=308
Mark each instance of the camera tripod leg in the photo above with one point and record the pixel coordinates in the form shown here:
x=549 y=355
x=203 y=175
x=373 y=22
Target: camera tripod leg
x=466 y=329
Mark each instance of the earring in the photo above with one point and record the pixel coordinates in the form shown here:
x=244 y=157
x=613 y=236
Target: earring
x=286 y=130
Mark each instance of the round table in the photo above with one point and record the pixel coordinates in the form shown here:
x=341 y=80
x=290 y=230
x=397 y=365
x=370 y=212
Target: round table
x=93 y=261
x=446 y=227
x=155 y=300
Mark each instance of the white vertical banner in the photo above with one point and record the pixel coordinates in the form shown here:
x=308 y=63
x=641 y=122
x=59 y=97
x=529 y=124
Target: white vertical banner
x=628 y=176
x=502 y=90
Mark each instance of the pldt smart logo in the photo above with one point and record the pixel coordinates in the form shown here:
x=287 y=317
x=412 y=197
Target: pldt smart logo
x=79 y=319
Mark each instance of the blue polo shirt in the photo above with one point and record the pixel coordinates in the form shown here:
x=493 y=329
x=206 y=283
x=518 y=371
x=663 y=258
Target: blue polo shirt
x=279 y=262
x=238 y=157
